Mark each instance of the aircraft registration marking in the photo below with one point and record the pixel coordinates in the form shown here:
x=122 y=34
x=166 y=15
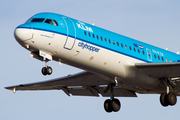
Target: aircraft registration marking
x=157 y=52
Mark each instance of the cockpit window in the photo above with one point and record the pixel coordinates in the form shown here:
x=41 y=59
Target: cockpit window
x=29 y=20
x=49 y=21
x=55 y=23
x=37 y=20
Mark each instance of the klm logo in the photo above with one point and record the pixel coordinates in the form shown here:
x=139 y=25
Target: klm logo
x=89 y=47
x=84 y=27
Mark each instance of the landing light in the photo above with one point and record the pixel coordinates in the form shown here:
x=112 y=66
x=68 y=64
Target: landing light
x=14 y=90
x=27 y=46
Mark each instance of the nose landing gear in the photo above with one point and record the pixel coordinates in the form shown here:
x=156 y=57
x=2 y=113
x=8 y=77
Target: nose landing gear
x=46 y=70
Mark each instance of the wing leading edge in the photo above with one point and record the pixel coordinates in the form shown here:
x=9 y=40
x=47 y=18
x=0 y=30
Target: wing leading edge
x=81 y=84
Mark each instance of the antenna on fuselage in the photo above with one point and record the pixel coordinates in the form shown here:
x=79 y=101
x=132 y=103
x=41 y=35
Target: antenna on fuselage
x=93 y=24
x=166 y=48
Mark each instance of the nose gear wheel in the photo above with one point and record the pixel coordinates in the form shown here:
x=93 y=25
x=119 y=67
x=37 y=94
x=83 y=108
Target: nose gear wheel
x=46 y=70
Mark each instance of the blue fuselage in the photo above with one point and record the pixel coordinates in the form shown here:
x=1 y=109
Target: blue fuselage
x=102 y=38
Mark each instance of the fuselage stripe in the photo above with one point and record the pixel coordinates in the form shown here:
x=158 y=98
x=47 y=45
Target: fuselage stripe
x=88 y=42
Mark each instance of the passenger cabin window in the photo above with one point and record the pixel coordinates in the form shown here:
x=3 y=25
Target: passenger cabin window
x=113 y=42
x=126 y=46
x=49 y=21
x=130 y=48
x=37 y=19
x=117 y=43
x=97 y=37
x=143 y=52
x=154 y=55
x=101 y=38
x=121 y=45
x=138 y=51
x=105 y=39
x=162 y=59
x=166 y=60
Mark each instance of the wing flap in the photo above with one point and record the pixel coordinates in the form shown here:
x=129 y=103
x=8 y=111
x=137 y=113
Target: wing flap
x=82 y=92
x=95 y=91
x=118 y=92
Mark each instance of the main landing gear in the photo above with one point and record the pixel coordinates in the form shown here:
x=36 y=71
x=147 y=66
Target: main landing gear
x=168 y=98
x=112 y=104
x=46 y=70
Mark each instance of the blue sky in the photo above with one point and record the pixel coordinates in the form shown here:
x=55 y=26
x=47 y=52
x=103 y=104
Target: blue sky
x=154 y=22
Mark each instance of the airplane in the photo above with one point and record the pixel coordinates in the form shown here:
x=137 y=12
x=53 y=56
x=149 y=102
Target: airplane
x=114 y=65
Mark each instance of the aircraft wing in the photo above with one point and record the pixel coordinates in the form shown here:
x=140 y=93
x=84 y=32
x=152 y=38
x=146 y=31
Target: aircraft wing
x=82 y=84
x=160 y=70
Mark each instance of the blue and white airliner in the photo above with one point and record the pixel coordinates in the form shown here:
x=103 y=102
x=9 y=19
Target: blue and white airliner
x=114 y=65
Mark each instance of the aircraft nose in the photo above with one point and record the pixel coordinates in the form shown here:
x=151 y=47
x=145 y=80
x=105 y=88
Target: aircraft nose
x=23 y=33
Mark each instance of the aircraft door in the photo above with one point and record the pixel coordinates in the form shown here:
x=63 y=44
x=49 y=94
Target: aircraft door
x=71 y=34
x=149 y=55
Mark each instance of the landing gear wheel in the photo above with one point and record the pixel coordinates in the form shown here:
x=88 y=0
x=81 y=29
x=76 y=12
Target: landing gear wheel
x=163 y=100
x=112 y=105
x=116 y=105
x=49 y=70
x=171 y=98
x=107 y=106
x=44 y=71
x=168 y=99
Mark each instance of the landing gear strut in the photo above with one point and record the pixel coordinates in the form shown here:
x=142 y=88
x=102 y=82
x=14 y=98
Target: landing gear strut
x=168 y=98
x=46 y=70
x=112 y=104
